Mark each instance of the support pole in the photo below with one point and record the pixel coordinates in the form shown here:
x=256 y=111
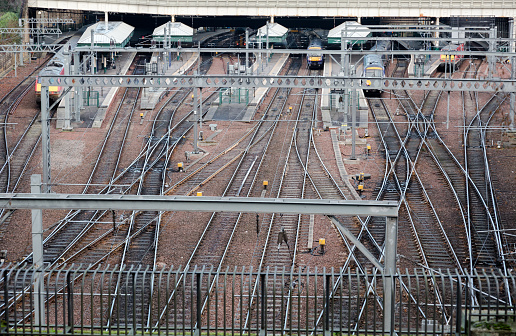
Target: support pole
x=93 y=61
x=246 y=50
x=195 y=120
x=37 y=253
x=391 y=239
x=258 y=71
x=15 y=66
x=512 y=97
x=267 y=42
x=45 y=138
x=436 y=33
x=68 y=103
x=448 y=112
x=342 y=48
x=491 y=60
x=353 y=122
x=78 y=90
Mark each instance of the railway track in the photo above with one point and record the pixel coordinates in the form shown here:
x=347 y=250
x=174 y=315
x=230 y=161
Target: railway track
x=215 y=242
x=15 y=156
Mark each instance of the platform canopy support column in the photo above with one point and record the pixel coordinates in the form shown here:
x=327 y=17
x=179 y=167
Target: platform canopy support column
x=78 y=90
x=491 y=60
x=67 y=101
x=512 y=96
x=436 y=33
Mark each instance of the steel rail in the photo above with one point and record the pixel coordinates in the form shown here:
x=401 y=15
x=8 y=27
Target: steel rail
x=72 y=214
x=150 y=156
x=271 y=221
x=252 y=142
x=479 y=194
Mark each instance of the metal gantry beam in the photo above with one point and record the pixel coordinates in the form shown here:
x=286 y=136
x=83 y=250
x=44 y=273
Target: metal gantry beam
x=28 y=48
x=318 y=82
x=198 y=204
x=54 y=31
x=213 y=51
x=22 y=48
x=22 y=21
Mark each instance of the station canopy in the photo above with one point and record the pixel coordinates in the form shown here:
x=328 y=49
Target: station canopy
x=276 y=32
x=116 y=34
x=352 y=31
x=176 y=31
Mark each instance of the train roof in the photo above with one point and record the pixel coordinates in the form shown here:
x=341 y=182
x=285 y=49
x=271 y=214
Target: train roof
x=353 y=32
x=177 y=31
x=56 y=64
x=116 y=31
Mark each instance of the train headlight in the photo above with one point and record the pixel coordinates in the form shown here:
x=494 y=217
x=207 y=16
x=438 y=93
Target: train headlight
x=368 y=82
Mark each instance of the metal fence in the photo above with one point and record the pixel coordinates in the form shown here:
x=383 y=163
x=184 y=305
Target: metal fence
x=104 y=300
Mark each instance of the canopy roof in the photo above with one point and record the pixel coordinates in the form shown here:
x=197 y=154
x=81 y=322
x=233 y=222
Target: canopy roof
x=274 y=30
x=117 y=31
x=173 y=29
x=353 y=31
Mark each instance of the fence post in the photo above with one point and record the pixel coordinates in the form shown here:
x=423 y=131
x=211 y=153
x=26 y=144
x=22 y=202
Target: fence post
x=198 y=303
x=5 y=277
x=327 y=305
x=263 y=303
x=69 y=290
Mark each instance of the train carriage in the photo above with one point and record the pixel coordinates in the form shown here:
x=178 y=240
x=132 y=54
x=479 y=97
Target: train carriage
x=452 y=61
x=315 y=61
x=55 y=67
x=374 y=64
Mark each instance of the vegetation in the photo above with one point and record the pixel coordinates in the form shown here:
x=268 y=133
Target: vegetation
x=492 y=325
x=9 y=20
x=11 y=6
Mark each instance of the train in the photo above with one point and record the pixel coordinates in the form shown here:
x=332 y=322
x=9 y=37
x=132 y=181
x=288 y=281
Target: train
x=452 y=61
x=54 y=67
x=315 y=61
x=374 y=64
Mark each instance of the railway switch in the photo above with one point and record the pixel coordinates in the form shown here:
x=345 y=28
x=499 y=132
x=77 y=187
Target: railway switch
x=361 y=177
x=360 y=188
x=322 y=243
x=180 y=166
x=368 y=149
x=201 y=136
x=199 y=193
x=265 y=184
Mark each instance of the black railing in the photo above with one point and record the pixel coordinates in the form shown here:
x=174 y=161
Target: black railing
x=80 y=300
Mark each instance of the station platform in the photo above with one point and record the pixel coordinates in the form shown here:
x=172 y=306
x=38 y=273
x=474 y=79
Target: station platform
x=332 y=115
x=93 y=116
x=179 y=66
x=429 y=66
x=246 y=112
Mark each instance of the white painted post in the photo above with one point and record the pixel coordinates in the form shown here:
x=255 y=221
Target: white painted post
x=37 y=253
x=391 y=240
